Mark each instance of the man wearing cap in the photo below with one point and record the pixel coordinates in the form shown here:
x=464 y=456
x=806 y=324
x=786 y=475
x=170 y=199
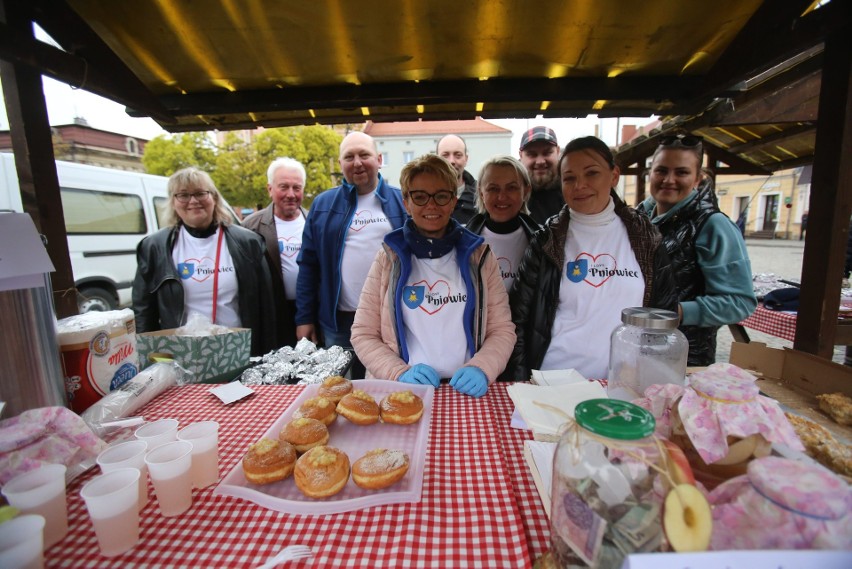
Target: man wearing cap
x=454 y=150
x=540 y=155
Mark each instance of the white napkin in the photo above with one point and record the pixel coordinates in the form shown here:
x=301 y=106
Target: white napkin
x=564 y=397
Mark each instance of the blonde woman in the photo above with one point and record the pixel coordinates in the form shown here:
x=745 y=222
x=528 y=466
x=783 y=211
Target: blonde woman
x=201 y=263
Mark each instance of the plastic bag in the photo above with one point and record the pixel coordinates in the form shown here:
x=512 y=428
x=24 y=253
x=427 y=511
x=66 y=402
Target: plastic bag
x=198 y=324
x=134 y=394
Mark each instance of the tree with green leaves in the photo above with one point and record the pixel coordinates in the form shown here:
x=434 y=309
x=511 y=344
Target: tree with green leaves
x=165 y=155
x=239 y=168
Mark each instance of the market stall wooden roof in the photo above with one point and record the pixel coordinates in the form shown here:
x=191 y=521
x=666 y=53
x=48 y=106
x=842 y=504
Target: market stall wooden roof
x=229 y=64
x=196 y=65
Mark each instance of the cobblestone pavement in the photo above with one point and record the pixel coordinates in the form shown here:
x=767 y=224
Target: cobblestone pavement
x=784 y=259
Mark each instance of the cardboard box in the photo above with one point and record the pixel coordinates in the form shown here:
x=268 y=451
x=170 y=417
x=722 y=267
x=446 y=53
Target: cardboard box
x=795 y=378
x=207 y=357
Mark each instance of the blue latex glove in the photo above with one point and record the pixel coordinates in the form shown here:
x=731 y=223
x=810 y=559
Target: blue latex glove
x=421 y=373
x=470 y=381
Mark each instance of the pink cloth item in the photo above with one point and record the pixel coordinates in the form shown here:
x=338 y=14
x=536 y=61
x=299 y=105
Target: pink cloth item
x=47 y=435
x=659 y=400
x=723 y=401
x=782 y=504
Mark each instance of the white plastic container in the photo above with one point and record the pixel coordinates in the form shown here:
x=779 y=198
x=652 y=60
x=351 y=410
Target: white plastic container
x=646 y=349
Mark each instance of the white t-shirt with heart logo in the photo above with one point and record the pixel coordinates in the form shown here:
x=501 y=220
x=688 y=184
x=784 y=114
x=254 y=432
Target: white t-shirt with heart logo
x=363 y=239
x=601 y=276
x=433 y=302
x=289 y=245
x=508 y=249
x=195 y=260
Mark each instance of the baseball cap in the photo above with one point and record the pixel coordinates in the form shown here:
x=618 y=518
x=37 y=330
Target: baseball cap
x=538 y=133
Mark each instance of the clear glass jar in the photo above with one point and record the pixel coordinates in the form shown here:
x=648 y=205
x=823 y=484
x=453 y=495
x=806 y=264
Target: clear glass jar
x=646 y=349
x=604 y=504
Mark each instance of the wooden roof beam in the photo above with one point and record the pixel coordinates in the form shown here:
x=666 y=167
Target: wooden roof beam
x=87 y=62
x=666 y=90
x=774 y=34
x=772 y=139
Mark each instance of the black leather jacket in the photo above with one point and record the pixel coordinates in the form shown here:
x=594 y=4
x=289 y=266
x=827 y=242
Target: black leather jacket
x=158 y=301
x=535 y=294
x=466 y=205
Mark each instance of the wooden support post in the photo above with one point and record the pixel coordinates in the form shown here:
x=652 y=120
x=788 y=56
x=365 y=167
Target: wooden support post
x=33 y=148
x=830 y=204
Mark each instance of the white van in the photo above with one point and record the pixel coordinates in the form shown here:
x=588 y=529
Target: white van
x=107 y=212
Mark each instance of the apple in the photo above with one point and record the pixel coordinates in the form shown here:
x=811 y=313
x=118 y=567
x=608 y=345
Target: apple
x=687 y=519
x=677 y=465
x=740 y=451
x=762 y=448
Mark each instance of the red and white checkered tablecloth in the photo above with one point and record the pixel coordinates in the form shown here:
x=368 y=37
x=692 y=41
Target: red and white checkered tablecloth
x=479 y=506
x=780 y=324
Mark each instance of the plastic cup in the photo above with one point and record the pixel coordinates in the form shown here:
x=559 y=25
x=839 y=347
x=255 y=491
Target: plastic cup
x=42 y=492
x=112 y=500
x=157 y=433
x=22 y=542
x=169 y=467
x=128 y=455
x=204 y=436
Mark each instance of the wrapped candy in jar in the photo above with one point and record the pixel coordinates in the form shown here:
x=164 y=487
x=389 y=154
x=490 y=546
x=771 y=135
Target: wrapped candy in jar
x=720 y=421
x=603 y=501
x=782 y=504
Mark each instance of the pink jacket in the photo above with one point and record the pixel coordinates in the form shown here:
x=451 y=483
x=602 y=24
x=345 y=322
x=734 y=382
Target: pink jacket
x=374 y=334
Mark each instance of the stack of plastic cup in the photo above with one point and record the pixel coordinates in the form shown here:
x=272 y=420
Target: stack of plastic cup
x=128 y=455
x=158 y=433
x=169 y=466
x=204 y=437
x=22 y=543
x=42 y=492
x=112 y=500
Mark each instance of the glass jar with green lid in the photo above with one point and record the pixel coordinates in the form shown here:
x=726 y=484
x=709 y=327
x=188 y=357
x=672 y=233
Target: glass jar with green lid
x=604 y=504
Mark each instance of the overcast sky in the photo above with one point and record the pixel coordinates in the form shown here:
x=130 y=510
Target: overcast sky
x=65 y=103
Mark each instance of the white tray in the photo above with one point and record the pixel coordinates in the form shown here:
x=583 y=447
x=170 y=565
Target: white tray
x=355 y=441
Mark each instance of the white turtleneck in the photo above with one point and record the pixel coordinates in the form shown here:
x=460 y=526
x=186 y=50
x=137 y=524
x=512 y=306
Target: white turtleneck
x=600 y=277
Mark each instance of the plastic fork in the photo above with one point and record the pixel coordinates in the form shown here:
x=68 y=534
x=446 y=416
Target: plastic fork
x=289 y=553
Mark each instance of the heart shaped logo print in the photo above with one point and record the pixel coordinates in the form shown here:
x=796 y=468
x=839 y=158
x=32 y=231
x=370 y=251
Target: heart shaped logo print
x=198 y=270
x=432 y=296
x=289 y=246
x=360 y=220
x=600 y=268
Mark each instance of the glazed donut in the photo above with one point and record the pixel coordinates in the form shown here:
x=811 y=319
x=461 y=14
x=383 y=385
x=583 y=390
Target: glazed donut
x=401 y=408
x=304 y=434
x=318 y=408
x=359 y=407
x=334 y=387
x=321 y=472
x=268 y=461
x=380 y=468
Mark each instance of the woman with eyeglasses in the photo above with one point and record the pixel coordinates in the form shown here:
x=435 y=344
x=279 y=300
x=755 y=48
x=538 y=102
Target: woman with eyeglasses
x=707 y=249
x=595 y=258
x=434 y=305
x=201 y=263
x=503 y=219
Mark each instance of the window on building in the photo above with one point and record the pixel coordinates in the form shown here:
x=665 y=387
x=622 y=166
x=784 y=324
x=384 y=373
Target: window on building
x=407 y=156
x=385 y=158
x=132 y=146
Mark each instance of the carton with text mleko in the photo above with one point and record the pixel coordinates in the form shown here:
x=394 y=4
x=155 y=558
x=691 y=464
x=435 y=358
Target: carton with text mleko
x=795 y=378
x=206 y=357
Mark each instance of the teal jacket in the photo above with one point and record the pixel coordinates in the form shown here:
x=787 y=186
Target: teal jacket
x=723 y=259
